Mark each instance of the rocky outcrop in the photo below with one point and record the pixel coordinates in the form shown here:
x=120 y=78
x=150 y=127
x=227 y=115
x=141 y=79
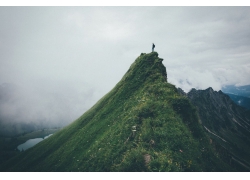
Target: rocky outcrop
x=225 y=122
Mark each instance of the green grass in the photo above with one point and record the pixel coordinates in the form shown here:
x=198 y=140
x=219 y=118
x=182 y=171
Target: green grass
x=167 y=130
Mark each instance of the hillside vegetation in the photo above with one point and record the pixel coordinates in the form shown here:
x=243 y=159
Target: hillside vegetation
x=142 y=124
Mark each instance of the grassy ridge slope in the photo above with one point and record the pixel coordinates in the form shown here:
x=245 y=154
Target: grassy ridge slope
x=167 y=136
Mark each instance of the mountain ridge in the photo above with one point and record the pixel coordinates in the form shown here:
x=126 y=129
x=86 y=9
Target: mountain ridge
x=142 y=124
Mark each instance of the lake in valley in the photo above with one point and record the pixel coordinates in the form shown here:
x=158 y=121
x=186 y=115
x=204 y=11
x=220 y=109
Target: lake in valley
x=31 y=142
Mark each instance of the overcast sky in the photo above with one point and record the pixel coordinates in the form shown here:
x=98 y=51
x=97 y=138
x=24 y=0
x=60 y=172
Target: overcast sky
x=56 y=62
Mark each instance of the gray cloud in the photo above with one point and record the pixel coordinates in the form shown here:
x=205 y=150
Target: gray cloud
x=61 y=60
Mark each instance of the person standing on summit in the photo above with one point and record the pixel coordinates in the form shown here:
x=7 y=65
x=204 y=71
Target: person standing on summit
x=153 y=47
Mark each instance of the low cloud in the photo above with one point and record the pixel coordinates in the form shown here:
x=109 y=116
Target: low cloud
x=45 y=105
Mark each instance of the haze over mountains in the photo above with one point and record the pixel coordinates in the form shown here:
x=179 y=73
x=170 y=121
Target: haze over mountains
x=237 y=90
x=24 y=110
x=17 y=118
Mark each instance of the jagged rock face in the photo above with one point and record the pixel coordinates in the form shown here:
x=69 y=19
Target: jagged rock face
x=225 y=122
x=142 y=124
x=219 y=107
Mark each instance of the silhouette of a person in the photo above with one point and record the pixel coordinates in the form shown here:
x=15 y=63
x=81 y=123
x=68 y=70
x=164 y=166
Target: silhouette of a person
x=153 y=47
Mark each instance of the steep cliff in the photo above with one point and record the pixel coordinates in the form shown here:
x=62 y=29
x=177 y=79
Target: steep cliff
x=226 y=123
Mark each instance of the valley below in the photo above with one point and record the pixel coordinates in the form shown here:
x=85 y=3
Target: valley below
x=12 y=146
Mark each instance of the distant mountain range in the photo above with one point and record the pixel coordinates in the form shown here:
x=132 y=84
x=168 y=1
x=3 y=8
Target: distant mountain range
x=237 y=90
x=240 y=95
